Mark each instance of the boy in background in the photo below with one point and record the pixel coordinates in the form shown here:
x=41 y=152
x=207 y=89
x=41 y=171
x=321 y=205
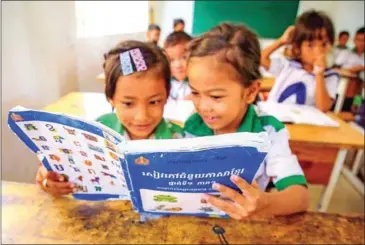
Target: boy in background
x=153 y=34
x=175 y=49
x=179 y=25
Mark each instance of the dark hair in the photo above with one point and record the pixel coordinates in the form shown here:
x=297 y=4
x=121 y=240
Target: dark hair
x=152 y=27
x=308 y=26
x=360 y=31
x=235 y=44
x=178 y=21
x=344 y=33
x=153 y=57
x=176 y=38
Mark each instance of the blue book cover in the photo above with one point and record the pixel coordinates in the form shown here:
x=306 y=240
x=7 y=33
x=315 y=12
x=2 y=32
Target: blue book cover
x=159 y=176
x=169 y=177
x=86 y=153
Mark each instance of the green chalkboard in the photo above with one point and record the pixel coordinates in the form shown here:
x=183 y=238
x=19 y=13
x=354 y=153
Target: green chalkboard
x=268 y=19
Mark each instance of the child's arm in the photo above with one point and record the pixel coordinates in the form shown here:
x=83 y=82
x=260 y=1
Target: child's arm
x=284 y=39
x=323 y=100
x=357 y=69
x=293 y=199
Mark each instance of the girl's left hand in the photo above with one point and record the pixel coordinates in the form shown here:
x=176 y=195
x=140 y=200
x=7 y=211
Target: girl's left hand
x=252 y=201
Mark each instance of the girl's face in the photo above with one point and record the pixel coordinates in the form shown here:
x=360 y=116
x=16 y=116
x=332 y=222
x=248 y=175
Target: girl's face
x=139 y=101
x=310 y=51
x=218 y=95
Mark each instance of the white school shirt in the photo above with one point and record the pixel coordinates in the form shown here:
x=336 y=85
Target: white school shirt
x=294 y=85
x=347 y=59
x=179 y=90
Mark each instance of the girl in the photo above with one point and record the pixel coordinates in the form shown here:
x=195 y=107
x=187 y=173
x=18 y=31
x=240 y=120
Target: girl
x=223 y=71
x=137 y=86
x=305 y=79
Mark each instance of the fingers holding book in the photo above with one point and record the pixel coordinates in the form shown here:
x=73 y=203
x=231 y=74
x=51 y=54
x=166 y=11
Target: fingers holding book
x=54 y=183
x=236 y=205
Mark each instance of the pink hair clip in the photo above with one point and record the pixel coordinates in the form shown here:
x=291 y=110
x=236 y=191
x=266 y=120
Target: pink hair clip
x=138 y=59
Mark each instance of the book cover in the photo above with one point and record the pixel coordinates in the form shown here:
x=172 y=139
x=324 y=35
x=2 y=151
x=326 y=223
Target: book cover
x=170 y=177
x=84 y=152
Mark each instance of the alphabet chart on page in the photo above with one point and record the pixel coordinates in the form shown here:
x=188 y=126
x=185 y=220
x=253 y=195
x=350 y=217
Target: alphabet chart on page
x=86 y=153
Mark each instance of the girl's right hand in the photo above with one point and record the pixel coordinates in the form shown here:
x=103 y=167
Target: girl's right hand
x=54 y=183
x=287 y=36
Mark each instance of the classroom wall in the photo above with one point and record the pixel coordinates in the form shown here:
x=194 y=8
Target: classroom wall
x=167 y=11
x=43 y=60
x=38 y=66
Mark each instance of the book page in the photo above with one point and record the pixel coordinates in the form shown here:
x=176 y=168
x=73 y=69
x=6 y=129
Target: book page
x=85 y=153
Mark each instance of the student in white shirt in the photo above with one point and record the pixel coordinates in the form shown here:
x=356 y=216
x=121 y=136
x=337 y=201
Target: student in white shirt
x=305 y=79
x=352 y=61
x=175 y=49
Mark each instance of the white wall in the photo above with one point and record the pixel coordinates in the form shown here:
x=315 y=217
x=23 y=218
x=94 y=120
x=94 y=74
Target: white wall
x=38 y=66
x=167 y=11
x=349 y=15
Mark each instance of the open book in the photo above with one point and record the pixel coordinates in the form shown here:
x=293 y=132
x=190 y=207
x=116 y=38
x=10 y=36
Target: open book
x=158 y=176
x=298 y=114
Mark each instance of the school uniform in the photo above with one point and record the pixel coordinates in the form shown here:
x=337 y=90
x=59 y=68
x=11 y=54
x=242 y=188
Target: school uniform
x=164 y=130
x=179 y=89
x=280 y=165
x=294 y=85
x=347 y=59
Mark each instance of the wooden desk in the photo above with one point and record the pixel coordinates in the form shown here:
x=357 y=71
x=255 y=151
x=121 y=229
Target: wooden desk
x=267 y=83
x=100 y=77
x=346 y=116
x=32 y=216
x=307 y=142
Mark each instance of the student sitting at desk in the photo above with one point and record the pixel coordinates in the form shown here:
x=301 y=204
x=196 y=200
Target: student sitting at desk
x=223 y=70
x=352 y=61
x=137 y=84
x=175 y=48
x=305 y=79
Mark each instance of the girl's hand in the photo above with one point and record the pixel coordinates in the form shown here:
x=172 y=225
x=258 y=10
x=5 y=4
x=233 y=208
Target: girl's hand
x=287 y=36
x=54 y=183
x=252 y=201
x=320 y=64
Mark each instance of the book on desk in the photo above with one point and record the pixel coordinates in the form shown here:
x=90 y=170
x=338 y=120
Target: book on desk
x=158 y=176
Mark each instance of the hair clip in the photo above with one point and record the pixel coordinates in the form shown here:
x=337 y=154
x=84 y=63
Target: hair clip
x=138 y=59
x=126 y=63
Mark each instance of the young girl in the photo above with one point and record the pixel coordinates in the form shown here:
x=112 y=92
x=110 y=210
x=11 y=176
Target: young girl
x=223 y=71
x=175 y=49
x=305 y=79
x=137 y=85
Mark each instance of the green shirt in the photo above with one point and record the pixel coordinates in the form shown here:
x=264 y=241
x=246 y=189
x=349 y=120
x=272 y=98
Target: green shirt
x=280 y=164
x=164 y=130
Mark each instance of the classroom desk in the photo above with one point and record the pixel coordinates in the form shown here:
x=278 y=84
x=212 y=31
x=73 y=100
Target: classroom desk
x=266 y=82
x=307 y=142
x=100 y=77
x=32 y=216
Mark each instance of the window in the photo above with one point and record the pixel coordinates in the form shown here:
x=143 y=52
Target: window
x=101 y=18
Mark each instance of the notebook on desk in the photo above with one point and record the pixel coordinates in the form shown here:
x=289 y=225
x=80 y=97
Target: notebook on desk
x=298 y=114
